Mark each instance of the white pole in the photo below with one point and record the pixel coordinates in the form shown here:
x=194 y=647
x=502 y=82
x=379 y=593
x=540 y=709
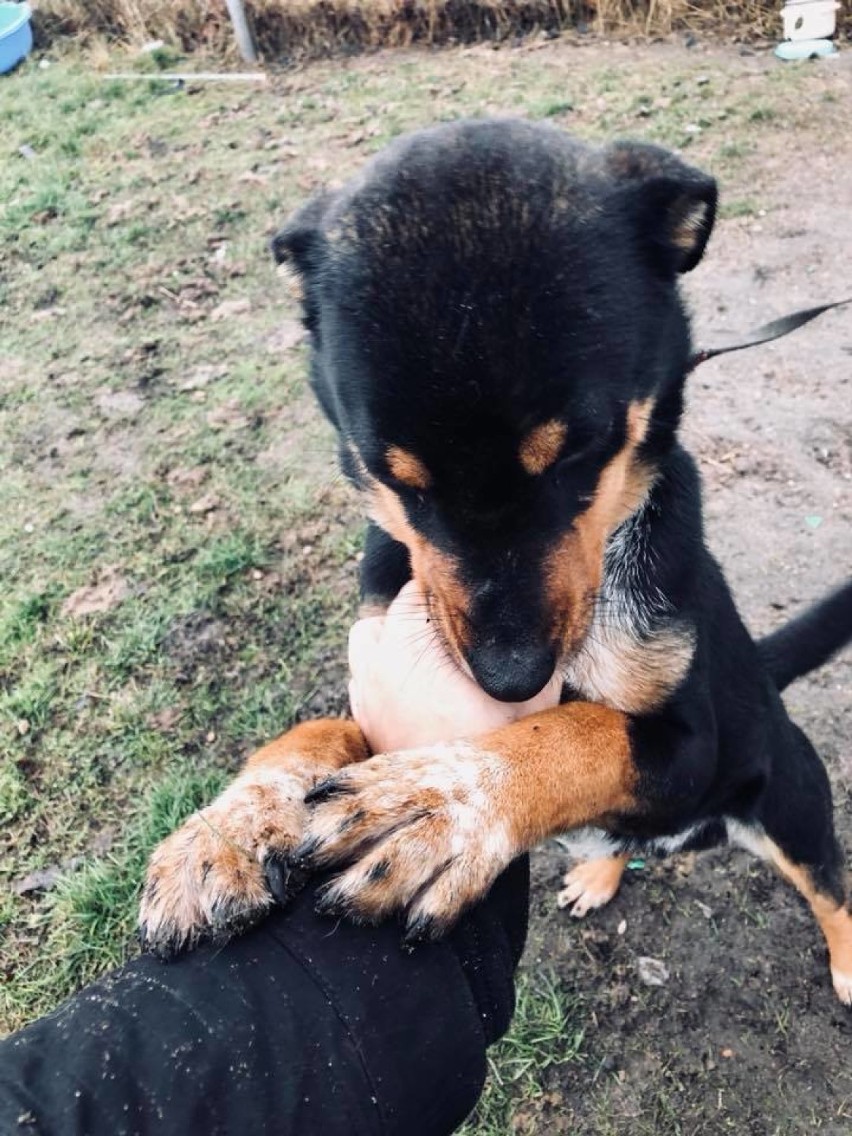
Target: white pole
x=245 y=43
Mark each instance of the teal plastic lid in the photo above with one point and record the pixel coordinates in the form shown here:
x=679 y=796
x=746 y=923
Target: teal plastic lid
x=805 y=49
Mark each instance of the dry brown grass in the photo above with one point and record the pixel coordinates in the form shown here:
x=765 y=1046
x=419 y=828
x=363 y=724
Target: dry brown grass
x=296 y=28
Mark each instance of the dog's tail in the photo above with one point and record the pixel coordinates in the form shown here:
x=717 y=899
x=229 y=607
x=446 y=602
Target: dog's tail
x=810 y=639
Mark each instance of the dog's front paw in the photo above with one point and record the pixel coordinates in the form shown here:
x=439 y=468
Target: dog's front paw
x=423 y=831
x=211 y=877
x=591 y=884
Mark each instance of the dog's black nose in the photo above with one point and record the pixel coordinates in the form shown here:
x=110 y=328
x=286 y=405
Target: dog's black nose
x=512 y=674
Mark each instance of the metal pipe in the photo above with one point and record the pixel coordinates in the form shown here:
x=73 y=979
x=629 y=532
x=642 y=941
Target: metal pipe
x=237 y=12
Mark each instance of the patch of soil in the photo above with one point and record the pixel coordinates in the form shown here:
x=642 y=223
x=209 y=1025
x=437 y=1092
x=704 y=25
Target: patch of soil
x=326 y=696
x=193 y=642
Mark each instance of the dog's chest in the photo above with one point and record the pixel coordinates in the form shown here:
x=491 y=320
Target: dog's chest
x=628 y=667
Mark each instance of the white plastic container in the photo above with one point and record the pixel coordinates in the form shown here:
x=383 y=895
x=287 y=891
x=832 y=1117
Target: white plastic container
x=810 y=19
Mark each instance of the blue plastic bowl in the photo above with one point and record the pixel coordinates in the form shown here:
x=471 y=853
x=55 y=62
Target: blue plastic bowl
x=16 y=35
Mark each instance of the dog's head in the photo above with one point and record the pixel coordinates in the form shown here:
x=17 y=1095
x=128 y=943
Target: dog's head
x=498 y=339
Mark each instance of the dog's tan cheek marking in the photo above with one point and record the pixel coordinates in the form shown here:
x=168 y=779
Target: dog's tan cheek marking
x=614 y=667
x=568 y=767
x=542 y=445
x=436 y=572
x=574 y=568
x=407 y=468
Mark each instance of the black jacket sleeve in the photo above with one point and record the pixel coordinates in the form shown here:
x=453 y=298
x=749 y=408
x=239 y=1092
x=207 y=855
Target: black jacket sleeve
x=302 y=1027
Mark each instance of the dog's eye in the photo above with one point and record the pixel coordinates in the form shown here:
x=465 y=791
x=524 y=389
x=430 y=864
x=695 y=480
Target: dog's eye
x=568 y=461
x=412 y=498
x=576 y=457
x=585 y=451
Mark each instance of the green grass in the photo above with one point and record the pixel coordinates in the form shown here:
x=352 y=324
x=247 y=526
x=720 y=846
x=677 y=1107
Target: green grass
x=128 y=214
x=88 y=922
x=740 y=207
x=546 y=1034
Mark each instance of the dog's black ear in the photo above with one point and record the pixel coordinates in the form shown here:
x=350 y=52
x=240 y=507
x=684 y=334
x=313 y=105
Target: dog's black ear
x=675 y=203
x=300 y=244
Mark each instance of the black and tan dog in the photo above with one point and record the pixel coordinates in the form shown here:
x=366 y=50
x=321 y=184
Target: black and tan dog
x=498 y=338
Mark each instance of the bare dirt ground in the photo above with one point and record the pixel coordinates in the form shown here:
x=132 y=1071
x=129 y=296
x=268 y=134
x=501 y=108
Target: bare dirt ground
x=158 y=448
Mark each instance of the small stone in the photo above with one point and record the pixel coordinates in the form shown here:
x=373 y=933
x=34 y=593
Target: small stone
x=230 y=308
x=651 y=971
x=206 y=504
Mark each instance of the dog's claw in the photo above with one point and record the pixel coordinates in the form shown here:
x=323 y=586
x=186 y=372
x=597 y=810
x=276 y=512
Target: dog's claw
x=325 y=790
x=330 y=902
x=422 y=929
x=284 y=877
x=303 y=855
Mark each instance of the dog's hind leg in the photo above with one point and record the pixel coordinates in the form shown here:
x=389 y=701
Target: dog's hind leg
x=591 y=884
x=793 y=829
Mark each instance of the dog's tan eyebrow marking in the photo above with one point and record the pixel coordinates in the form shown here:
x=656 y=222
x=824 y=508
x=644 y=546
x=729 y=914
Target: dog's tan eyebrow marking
x=540 y=448
x=407 y=468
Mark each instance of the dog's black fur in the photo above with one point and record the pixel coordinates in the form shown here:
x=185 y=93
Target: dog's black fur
x=483 y=278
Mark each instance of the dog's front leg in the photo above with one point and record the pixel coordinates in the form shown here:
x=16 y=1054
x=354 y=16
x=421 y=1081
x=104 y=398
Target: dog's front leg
x=429 y=830
x=212 y=875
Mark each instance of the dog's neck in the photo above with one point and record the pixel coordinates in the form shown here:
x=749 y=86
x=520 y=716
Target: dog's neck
x=637 y=650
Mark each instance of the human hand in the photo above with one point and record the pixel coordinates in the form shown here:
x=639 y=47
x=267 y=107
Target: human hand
x=407 y=691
